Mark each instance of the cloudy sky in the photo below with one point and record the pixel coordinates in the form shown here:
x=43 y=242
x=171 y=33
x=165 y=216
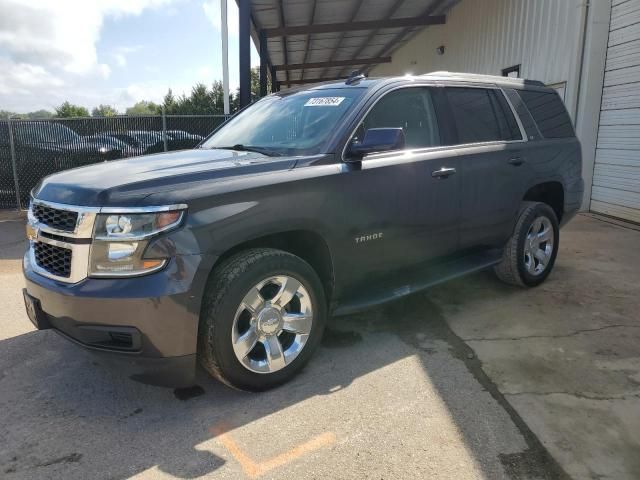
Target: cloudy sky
x=113 y=52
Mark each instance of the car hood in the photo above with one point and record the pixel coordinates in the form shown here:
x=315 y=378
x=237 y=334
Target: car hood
x=128 y=181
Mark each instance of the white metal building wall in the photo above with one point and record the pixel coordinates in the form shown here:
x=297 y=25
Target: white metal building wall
x=616 y=176
x=486 y=36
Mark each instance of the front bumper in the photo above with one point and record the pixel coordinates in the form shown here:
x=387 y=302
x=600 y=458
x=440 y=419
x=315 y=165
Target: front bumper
x=147 y=325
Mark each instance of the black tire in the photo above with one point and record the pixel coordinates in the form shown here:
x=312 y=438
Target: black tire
x=512 y=269
x=225 y=290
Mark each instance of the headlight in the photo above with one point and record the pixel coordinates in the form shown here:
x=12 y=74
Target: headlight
x=120 y=240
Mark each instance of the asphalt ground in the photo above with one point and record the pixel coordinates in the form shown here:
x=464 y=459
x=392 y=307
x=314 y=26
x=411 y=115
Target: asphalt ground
x=471 y=379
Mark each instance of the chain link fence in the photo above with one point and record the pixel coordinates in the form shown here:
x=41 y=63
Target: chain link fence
x=33 y=149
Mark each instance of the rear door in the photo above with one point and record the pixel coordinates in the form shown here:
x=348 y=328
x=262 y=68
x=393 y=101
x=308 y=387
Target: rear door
x=493 y=164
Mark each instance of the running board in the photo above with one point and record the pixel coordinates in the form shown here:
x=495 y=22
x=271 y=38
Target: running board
x=421 y=280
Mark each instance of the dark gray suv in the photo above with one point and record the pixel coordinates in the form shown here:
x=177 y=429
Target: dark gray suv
x=308 y=203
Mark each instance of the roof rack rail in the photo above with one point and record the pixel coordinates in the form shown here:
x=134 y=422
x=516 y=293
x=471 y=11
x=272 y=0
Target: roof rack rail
x=484 y=78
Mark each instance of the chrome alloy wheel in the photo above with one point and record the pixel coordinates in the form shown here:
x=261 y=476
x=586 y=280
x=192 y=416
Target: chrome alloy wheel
x=538 y=246
x=272 y=324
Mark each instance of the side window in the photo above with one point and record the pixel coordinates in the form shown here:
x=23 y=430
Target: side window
x=410 y=109
x=482 y=115
x=549 y=112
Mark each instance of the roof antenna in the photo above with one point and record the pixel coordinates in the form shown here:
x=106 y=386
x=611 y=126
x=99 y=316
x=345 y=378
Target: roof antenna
x=355 y=77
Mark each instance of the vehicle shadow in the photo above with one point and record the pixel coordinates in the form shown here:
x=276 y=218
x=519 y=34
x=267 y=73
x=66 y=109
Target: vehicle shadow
x=64 y=413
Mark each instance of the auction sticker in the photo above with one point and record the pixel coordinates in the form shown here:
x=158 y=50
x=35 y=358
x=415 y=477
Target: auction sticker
x=324 y=101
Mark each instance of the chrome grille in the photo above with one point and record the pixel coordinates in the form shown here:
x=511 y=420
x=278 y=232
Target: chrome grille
x=60 y=239
x=63 y=220
x=55 y=260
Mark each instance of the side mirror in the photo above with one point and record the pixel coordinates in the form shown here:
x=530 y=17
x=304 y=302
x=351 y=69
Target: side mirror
x=377 y=140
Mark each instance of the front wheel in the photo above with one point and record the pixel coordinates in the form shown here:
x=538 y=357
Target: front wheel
x=530 y=253
x=263 y=316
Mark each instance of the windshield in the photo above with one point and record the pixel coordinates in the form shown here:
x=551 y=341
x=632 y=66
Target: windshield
x=45 y=132
x=147 y=137
x=295 y=124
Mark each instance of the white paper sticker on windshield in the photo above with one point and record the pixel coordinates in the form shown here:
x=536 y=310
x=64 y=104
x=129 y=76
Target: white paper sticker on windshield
x=324 y=102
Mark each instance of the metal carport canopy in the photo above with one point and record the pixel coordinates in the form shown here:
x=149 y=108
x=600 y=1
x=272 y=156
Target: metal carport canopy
x=307 y=41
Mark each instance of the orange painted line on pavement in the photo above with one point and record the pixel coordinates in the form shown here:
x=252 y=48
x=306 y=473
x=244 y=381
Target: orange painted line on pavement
x=255 y=469
x=251 y=468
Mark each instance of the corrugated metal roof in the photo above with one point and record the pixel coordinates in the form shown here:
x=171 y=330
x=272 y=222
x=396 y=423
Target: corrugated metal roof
x=344 y=46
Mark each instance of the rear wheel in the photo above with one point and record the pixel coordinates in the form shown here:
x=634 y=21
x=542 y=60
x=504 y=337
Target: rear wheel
x=531 y=251
x=263 y=316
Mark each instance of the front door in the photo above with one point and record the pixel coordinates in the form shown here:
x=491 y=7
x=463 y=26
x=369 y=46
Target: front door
x=401 y=208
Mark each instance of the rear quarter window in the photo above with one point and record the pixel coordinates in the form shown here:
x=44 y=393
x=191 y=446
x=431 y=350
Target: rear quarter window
x=549 y=113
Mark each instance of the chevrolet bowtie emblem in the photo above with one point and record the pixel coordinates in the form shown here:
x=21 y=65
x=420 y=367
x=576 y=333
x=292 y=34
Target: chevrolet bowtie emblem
x=32 y=232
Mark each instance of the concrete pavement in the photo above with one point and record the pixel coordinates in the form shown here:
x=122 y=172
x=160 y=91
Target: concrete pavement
x=566 y=355
x=472 y=379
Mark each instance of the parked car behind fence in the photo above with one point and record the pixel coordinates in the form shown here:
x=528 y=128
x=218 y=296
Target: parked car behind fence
x=43 y=147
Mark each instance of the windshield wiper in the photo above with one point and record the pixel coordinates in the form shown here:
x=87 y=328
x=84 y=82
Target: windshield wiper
x=249 y=148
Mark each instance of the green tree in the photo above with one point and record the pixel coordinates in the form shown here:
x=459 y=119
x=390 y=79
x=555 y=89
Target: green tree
x=255 y=84
x=217 y=95
x=200 y=101
x=37 y=115
x=104 y=111
x=40 y=114
x=169 y=103
x=67 y=110
x=208 y=101
x=144 y=108
x=4 y=114
x=255 y=89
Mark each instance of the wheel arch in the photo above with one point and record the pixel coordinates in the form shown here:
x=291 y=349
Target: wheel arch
x=551 y=193
x=306 y=244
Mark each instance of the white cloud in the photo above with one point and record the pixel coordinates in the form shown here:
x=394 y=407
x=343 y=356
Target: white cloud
x=53 y=43
x=24 y=77
x=48 y=53
x=140 y=91
x=120 y=54
x=212 y=11
x=104 y=70
x=120 y=59
x=205 y=74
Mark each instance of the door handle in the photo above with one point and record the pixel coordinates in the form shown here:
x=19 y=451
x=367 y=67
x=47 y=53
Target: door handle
x=516 y=162
x=443 y=173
